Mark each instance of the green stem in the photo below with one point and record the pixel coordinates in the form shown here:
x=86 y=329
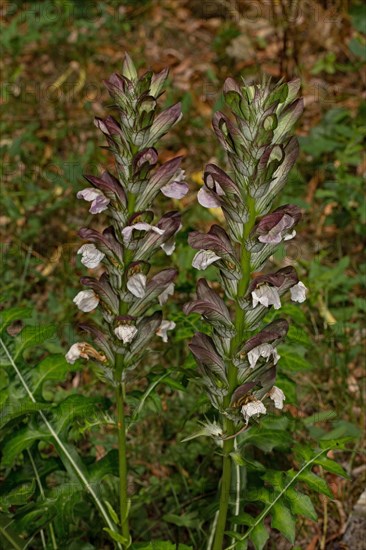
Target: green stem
x=229 y=426
x=41 y=490
x=224 y=489
x=122 y=461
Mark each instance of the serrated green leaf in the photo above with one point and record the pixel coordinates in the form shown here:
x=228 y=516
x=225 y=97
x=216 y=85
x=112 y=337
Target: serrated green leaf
x=315 y=483
x=243 y=519
x=18 y=442
x=10 y=315
x=14 y=411
x=275 y=478
x=301 y=504
x=73 y=408
x=332 y=467
x=283 y=520
x=293 y=362
x=53 y=367
x=18 y=496
x=32 y=336
x=259 y=536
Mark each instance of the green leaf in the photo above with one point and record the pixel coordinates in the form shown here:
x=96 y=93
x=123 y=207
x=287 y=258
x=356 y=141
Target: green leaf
x=116 y=536
x=186 y=520
x=53 y=367
x=106 y=465
x=22 y=407
x=293 y=362
x=75 y=407
x=283 y=520
x=18 y=496
x=301 y=504
x=8 y=536
x=18 y=442
x=259 y=536
x=159 y=545
x=32 y=336
x=332 y=467
x=321 y=416
x=8 y=316
x=267 y=440
x=315 y=483
x=112 y=512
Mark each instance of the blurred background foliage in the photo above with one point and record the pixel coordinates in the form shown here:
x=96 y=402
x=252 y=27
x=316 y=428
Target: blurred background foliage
x=55 y=57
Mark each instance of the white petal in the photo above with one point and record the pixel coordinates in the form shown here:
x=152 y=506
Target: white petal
x=169 y=291
x=73 y=354
x=267 y=296
x=163 y=329
x=253 y=408
x=137 y=285
x=207 y=199
x=86 y=300
x=140 y=226
x=168 y=248
x=277 y=396
x=263 y=350
x=91 y=256
x=175 y=189
x=126 y=333
x=204 y=258
x=99 y=204
x=298 y=292
x=290 y=236
x=89 y=194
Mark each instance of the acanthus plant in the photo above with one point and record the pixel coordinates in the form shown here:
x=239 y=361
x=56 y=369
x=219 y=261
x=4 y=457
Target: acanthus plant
x=125 y=293
x=238 y=361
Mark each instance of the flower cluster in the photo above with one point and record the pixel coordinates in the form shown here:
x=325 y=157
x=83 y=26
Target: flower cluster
x=125 y=291
x=237 y=361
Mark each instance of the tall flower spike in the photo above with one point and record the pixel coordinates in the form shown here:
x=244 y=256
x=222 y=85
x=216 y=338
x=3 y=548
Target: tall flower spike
x=238 y=362
x=125 y=292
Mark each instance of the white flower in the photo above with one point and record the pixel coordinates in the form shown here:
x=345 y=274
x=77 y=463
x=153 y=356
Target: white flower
x=163 y=329
x=86 y=300
x=99 y=201
x=266 y=295
x=140 y=226
x=204 y=258
x=91 y=256
x=126 y=333
x=169 y=291
x=298 y=292
x=277 y=396
x=84 y=350
x=137 y=285
x=74 y=353
x=263 y=350
x=253 y=408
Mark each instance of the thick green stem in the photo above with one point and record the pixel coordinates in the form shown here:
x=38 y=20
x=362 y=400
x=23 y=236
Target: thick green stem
x=229 y=427
x=122 y=461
